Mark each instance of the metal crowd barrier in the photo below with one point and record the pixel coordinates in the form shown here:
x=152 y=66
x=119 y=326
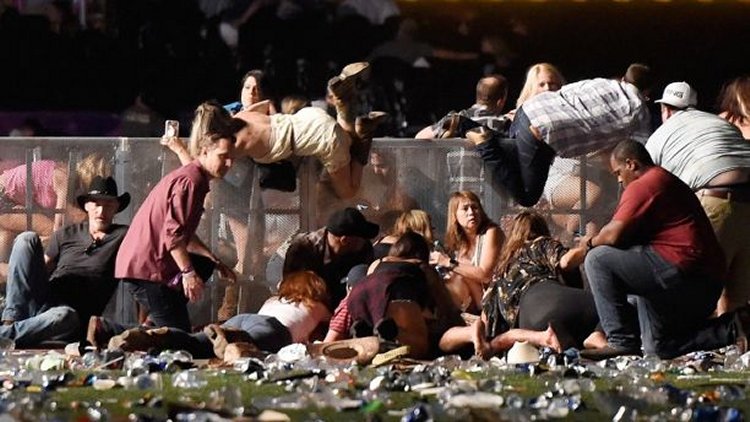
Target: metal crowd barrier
x=409 y=173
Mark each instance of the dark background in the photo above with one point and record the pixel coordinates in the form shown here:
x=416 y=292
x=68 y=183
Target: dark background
x=167 y=51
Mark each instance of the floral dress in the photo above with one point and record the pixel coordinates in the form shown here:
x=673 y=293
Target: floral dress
x=535 y=262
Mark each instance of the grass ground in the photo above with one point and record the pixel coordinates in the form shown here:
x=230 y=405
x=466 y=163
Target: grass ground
x=649 y=393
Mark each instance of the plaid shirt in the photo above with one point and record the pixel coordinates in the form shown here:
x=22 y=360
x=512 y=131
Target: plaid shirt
x=480 y=114
x=589 y=115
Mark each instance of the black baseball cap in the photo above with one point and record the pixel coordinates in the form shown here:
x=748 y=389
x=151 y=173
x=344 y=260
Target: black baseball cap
x=351 y=222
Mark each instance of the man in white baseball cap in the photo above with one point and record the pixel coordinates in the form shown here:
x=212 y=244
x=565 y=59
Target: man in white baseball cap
x=709 y=155
x=679 y=95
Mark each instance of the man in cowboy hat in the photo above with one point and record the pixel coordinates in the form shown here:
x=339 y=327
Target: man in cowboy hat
x=50 y=292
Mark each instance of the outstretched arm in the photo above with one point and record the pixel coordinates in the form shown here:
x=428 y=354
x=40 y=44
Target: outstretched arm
x=197 y=246
x=175 y=144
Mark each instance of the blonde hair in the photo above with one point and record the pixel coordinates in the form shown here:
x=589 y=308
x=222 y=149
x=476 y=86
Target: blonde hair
x=456 y=238
x=90 y=166
x=211 y=123
x=417 y=221
x=532 y=79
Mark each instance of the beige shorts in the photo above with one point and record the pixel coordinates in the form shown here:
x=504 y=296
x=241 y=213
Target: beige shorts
x=310 y=131
x=729 y=220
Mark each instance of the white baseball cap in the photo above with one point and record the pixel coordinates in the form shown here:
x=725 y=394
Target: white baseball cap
x=680 y=95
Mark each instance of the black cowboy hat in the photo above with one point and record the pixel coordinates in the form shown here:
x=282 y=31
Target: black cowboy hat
x=102 y=188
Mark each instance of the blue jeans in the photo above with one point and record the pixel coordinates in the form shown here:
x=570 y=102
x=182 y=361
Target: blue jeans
x=28 y=298
x=673 y=309
x=267 y=332
x=167 y=307
x=520 y=164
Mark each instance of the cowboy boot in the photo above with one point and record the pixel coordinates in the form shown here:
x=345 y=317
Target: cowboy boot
x=234 y=351
x=365 y=126
x=228 y=306
x=139 y=339
x=343 y=90
x=364 y=129
x=220 y=337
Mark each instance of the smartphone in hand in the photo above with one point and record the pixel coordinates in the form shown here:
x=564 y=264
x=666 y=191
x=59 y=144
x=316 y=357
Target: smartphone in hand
x=171 y=128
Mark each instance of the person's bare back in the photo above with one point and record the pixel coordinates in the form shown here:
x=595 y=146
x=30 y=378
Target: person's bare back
x=254 y=140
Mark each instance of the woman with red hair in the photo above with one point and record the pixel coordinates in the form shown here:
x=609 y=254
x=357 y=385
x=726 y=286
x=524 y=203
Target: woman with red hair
x=292 y=316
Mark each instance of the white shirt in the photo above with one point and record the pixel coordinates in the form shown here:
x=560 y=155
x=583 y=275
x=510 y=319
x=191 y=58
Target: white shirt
x=298 y=318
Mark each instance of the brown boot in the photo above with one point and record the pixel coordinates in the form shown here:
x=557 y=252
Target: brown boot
x=345 y=84
x=365 y=126
x=138 y=339
x=95 y=333
x=343 y=89
x=228 y=307
x=238 y=350
x=222 y=336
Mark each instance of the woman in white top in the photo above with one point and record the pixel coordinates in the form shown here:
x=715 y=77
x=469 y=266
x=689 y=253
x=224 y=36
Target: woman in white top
x=289 y=317
x=292 y=316
x=472 y=243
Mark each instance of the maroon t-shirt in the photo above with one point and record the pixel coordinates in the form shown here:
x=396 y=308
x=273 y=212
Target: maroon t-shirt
x=660 y=210
x=169 y=216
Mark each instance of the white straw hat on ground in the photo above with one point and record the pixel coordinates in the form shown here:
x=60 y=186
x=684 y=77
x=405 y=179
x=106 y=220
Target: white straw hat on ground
x=522 y=352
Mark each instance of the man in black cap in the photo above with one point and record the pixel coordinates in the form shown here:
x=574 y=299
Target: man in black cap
x=332 y=251
x=49 y=293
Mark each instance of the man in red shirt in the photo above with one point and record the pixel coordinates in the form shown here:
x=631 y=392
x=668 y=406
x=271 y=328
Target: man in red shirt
x=161 y=260
x=659 y=247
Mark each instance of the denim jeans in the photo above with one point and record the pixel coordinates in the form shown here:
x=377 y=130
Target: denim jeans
x=167 y=307
x=28 y=298
x=673 y=309
x=58 y=323
x=267 y=332
x=520 y=164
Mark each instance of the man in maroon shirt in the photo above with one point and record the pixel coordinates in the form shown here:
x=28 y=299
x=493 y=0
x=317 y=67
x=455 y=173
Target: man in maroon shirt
x=660 y=248
x=162 y=261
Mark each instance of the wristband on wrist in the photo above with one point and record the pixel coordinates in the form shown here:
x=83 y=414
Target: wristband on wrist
x=187 y=270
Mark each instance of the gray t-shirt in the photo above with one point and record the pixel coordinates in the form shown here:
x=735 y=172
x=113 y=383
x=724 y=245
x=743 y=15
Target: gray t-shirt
x=697 y=146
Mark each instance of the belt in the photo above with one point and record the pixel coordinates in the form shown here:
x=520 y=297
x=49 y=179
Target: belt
x=735 y=195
